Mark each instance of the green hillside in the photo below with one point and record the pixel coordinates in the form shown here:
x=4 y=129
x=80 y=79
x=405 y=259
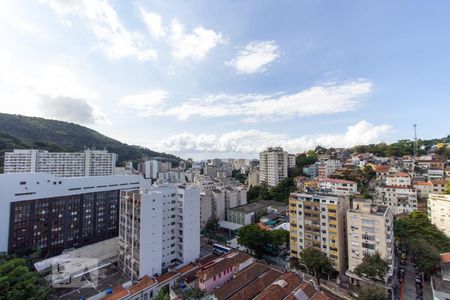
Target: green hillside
x=18 y=131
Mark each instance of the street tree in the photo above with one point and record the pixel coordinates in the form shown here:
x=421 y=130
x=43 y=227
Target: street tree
x=316 y=261
x=373 y=267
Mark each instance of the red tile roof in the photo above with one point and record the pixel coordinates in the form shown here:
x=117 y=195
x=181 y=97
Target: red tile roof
x=445 y=257
x=166 y=276
x=221 y=264
x=381 y=168
x=242 y=279
x=280 y=288
x=257 y=285
x=119 y=292
x=424 y=183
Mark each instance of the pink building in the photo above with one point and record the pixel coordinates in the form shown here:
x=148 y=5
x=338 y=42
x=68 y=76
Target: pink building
x=222 y=269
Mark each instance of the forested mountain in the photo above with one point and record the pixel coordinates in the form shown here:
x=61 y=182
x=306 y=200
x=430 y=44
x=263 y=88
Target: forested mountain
x=18 y=131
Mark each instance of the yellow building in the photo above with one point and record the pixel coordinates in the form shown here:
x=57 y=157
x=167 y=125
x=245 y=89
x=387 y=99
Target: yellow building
x=318 y=221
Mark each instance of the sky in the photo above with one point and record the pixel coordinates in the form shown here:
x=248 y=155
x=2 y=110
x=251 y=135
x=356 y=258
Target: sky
x=226 y=79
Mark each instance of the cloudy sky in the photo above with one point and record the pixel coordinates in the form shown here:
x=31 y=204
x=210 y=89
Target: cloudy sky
x=227 y=78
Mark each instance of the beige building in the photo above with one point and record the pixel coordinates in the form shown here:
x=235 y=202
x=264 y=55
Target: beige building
x=369 y=230
x=318 y=221
x=273 y=166
x=439 y=211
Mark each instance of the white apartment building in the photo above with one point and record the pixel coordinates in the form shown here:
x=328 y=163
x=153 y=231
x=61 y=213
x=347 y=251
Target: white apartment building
x=63 y=164
x=369 y=230
x=40 y=210
x=175 y=176
x=151 y=168
x=439 y=211
x=338 y=187
x=159 y=228
x=399 y=179
x=291 y=160
x=212 y=205
x=401 y=199
x=273 y=165
x=318 y=221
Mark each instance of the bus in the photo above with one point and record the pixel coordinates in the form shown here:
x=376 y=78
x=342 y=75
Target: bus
x=220 y=249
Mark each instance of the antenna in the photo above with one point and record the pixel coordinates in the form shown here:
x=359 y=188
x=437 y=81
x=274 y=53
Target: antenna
x=415 y=140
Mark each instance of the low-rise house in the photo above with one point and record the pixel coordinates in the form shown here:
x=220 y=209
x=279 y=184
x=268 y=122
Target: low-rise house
x=222 y=269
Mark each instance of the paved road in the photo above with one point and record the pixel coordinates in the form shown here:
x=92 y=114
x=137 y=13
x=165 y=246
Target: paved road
x=408 y=288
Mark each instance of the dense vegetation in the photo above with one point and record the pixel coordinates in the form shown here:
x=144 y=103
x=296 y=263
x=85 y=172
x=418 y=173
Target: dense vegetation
x=402 y=147
x=18 y=281
x=262 y=241
x=422 y=240
x=279 y=193
x=18 y=131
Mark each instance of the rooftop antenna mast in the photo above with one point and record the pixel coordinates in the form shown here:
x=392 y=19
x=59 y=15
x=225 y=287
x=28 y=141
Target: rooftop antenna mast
x=415 y=141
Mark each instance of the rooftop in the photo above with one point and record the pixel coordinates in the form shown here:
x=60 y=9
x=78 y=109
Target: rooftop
x=242 y=279
x=221 y=264
x=281 y=287
x=251 y=207
x=333 y=180
x=445 y=257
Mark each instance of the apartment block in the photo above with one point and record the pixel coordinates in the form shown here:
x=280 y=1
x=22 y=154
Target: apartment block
x=328 y=167
x=212 y=205
x=338 y=186
x=397 y=193
x=369 y=230
x=291 y=160
x=57 y=213
x=159 y=228
x=63 y=164
x=318 y=221
x=273 y=166
x=439 y=211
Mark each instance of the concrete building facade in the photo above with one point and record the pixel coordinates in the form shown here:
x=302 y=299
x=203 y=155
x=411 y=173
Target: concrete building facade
x=62 y=164
x=273 y=166
x=57 y=213
x=159 y=228
x=439 y=211
x=318 y=221
x=369 y=230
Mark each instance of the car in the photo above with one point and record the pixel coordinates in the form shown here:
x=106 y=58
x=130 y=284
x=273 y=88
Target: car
x=419 y=292
x=418 y=280
x=419 y=285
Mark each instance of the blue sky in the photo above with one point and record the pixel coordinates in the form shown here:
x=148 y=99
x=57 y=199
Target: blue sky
x=228 y=78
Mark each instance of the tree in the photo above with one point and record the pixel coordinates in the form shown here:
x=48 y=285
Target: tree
x=262 y=241
x=316 y=261
x=252 y=237
x=17 y=281
x=194 y=294
x=447 y=191
x=373 y=267
x=163 y=294
x=236 y=174
x=371 y=293
x=422 y=240
x=211 y=228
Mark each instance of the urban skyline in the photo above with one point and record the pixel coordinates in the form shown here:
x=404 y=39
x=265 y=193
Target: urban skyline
x=297 y=75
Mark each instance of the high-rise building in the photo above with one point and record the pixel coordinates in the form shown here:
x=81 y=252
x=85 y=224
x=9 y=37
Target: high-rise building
x=318 y=221
x=291 y=160
x=273 y=166
x=151 y=168
x=159 y=228
x=63 y=164
x=369 y=230
x=53 y=213
x=439 y=211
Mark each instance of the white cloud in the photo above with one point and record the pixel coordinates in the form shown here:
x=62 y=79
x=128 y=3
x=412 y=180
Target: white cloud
x=113 y=38
x=328 y=98
x=146 y=103
x=255 y=57
x=154 y=24
x=193 y=45
x=47 y=91
x=249 y=143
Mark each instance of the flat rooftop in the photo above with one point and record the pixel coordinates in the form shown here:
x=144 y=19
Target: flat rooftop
x=247 y=208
